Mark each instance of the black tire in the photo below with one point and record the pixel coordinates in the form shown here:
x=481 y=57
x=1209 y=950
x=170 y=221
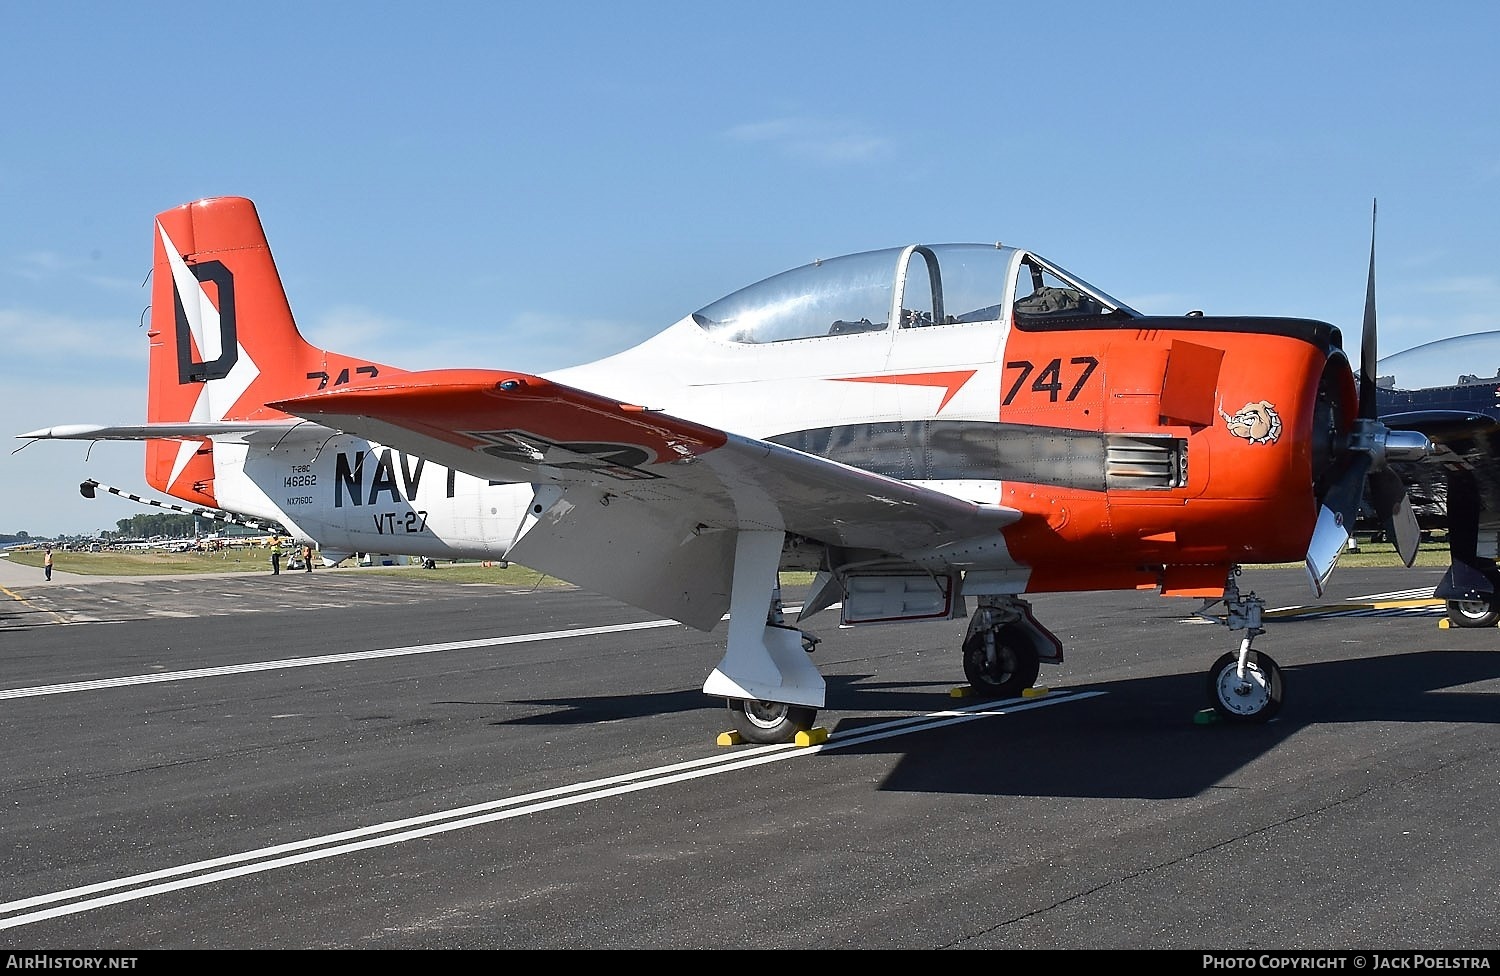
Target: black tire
x=1258 y=699
x=1472 y=613
x=1015 y=667
x=770 y=723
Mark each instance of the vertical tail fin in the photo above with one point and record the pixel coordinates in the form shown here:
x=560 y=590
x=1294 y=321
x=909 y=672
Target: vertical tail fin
x=223 y=339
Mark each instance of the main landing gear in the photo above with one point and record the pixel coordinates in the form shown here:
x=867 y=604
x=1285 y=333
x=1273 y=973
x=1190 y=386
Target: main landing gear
x=1004 y=647
x=773 y=691
x=1472 y=613
x=771 y=722
x=1247 y=686
x=1002 y=654
x=1001 y=659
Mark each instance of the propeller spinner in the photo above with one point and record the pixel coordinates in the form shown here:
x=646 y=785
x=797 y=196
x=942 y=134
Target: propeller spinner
x=1362 y=457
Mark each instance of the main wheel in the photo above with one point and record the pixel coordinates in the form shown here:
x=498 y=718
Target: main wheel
x=1013 y=670
x=1256 y=698
x=770 y=723
x=1472 y=613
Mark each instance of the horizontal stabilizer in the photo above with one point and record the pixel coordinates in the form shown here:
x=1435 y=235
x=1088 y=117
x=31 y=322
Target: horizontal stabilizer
x=90 y=489
x=170 y=431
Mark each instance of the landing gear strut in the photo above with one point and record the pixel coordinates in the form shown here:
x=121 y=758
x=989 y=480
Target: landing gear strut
x=772 y=722
x=1471 y=586
x=1247 y=686
x=771 y=688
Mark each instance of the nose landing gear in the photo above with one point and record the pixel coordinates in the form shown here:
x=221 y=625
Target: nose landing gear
x=1245 y=686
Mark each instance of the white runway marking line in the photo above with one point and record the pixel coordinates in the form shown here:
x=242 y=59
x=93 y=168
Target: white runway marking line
x=307 y=662
x=399 y=831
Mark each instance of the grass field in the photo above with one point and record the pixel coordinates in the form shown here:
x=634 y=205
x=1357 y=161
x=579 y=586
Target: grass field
x=153 y=562
x=1377 y=554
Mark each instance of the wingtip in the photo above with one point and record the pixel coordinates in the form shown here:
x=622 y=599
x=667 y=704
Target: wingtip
x=61 y=432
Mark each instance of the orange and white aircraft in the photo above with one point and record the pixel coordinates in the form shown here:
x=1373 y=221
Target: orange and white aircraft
x=935 y=431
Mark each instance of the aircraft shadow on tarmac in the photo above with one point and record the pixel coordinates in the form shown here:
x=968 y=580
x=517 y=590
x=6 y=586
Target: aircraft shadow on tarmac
x=1140 y=740
x=1114 y=745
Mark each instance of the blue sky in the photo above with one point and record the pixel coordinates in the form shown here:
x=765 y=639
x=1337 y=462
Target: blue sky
x=536 y=185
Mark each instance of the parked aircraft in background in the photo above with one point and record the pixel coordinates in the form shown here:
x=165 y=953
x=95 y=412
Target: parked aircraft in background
x=1449 y=390
x=928 y=428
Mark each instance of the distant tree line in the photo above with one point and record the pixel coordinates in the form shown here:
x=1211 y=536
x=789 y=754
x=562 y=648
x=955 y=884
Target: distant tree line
x=165 y=524
x=169 y=525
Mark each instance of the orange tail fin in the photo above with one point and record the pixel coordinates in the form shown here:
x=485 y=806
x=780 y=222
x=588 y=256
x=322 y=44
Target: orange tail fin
x=223 y=339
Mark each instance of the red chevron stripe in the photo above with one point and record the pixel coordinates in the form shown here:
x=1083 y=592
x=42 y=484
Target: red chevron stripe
x=950 y=382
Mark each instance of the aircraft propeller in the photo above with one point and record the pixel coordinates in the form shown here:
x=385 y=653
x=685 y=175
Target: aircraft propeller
x=1361 y=464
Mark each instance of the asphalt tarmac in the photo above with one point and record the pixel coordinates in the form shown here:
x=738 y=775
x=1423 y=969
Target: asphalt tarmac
x=365 y=760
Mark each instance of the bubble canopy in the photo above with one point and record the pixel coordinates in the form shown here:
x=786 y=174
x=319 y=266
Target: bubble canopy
x=913 y=286
x=1455 y=361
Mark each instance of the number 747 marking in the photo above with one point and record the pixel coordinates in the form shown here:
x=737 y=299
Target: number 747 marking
x=1049 y=380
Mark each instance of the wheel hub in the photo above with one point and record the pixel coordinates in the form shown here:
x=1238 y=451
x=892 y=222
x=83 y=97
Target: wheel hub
x=1247 y=695
x=765 y=714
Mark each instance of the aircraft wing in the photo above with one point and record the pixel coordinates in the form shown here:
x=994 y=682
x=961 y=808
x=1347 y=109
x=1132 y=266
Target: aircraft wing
x=635 y=503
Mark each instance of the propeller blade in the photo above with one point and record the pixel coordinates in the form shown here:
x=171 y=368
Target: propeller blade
x=1368 y=348
x=1393 y=508
x=1335 y=523
x=1369 y=447
x=1328 y=541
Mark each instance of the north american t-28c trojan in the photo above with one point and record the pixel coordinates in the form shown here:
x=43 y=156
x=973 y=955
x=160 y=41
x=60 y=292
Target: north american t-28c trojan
x=928 y=429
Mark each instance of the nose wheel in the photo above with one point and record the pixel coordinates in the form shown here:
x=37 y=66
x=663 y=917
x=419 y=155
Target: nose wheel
x=1249 y=695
